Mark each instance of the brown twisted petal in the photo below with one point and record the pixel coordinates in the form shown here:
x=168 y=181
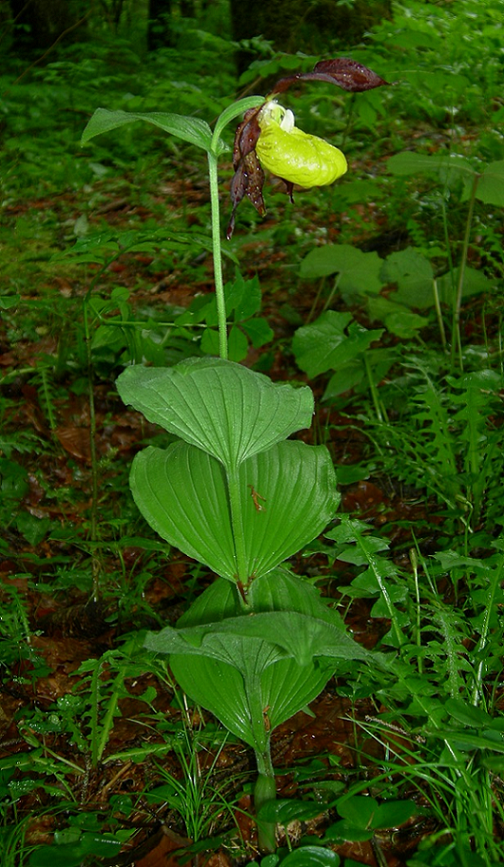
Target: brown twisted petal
x=248 y=179
x=246 y=135
x=345 y=73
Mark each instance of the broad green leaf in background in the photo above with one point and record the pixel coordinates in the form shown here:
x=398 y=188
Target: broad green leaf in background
x=475 y=282
x=8 y=301
x=362 y=816
x=358 y=272
x=225 y=409
x=414 y=276
x=333 y=340
x=490 y=187
x=288 y=496
x=450 y=168
x=469 y=715
x=366 y=812
x=348 y=377
x=242 y=297
x=287 y=810
x=190 y=129
x=405 y=324
x=351 y=375
x=258 y=331
x=237 y=343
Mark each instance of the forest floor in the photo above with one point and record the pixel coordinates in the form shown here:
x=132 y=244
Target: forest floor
x=94 y=746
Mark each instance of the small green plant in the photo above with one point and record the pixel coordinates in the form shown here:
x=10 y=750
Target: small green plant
x=440 y=728
x=202 y=800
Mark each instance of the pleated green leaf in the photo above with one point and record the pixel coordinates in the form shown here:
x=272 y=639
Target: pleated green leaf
x=181 y=492
x=228 y=670
x=297 y=487
x=300 y=636
x=296 y=636
x=279 y=590
x=288 y=496
x=217 y=687
x=219 y=406
x=288 y=687
x=281 y=689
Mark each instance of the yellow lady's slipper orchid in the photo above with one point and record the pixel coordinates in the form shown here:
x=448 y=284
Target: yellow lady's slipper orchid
x=292 y=154
x=268 y=137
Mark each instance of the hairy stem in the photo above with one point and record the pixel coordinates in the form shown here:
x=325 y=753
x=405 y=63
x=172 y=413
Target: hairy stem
x=231 y=112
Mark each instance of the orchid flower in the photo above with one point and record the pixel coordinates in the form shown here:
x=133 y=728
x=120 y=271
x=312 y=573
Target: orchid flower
x=269 y=137
x=292 y=154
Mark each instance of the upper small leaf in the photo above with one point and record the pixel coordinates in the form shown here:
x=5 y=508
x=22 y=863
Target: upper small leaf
x=190 y=129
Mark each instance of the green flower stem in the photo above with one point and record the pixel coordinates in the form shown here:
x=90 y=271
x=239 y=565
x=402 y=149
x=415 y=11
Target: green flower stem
x=95 y=567
x=217 y=146
x=439 y=314
x=217 y=255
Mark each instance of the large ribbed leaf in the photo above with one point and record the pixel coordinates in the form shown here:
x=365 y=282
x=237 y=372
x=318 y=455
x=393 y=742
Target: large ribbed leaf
x=288 y=634
x=222 y=407
x=287 y=497
x=181 y=492
x=297 y=486
x=288 y=687
x=217 y=687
